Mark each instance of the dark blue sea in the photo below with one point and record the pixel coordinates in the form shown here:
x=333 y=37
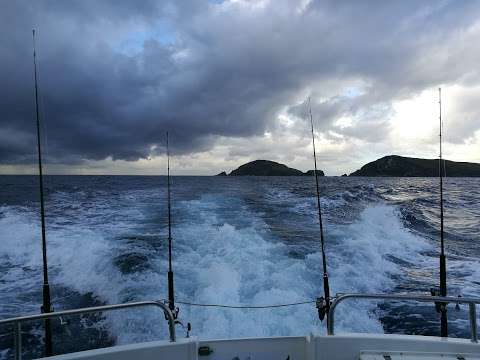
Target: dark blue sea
x=238 y=240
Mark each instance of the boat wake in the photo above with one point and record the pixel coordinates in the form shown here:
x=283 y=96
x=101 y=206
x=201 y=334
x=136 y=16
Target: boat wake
x=254 y=247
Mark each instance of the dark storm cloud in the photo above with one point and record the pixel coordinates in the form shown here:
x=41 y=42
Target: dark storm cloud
x=202 y=70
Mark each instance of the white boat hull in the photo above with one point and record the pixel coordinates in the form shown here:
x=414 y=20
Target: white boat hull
x=338 y=347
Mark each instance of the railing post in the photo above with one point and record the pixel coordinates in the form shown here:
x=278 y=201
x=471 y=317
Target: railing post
x=331 y=318
x=473 y=322
x=17 y=338
x=330 y=326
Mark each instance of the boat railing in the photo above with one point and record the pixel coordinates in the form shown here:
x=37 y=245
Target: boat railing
x=17 y=321
x=472 y=302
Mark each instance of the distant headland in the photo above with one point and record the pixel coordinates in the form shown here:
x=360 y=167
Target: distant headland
x=401 y=166
x=268 y=168
x=387 y=166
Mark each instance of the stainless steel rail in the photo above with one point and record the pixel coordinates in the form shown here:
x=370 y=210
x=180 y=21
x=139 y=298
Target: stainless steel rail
x=17 y=322
x=472 y=302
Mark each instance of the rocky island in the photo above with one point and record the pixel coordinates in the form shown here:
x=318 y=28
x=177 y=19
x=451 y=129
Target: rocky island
x=401 y=166
x=268 y=168
x=265 y=168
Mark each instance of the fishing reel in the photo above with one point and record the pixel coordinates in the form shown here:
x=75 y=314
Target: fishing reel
x=439 y=307
x=174 y=311
x=187 y=328
x=323 y=306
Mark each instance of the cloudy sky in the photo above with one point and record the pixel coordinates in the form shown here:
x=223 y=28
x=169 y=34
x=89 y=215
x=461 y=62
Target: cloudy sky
x=229 y=79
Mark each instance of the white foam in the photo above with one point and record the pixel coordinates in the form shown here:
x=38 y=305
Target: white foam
x=362 y=260
x=228 y=265
x=216 y=261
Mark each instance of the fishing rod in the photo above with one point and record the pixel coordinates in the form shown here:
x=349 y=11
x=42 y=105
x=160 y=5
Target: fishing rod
x=443 y=265
x=46 y=307
x=171 y=295
x=442 y=290
x=323 y=305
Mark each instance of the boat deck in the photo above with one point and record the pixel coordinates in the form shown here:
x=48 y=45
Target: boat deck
x=338 y=347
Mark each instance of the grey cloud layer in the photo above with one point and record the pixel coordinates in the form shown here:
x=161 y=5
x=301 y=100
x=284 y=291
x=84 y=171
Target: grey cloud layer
x=229 y=70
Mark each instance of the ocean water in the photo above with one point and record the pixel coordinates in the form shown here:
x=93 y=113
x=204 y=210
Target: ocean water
x=237 y=241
